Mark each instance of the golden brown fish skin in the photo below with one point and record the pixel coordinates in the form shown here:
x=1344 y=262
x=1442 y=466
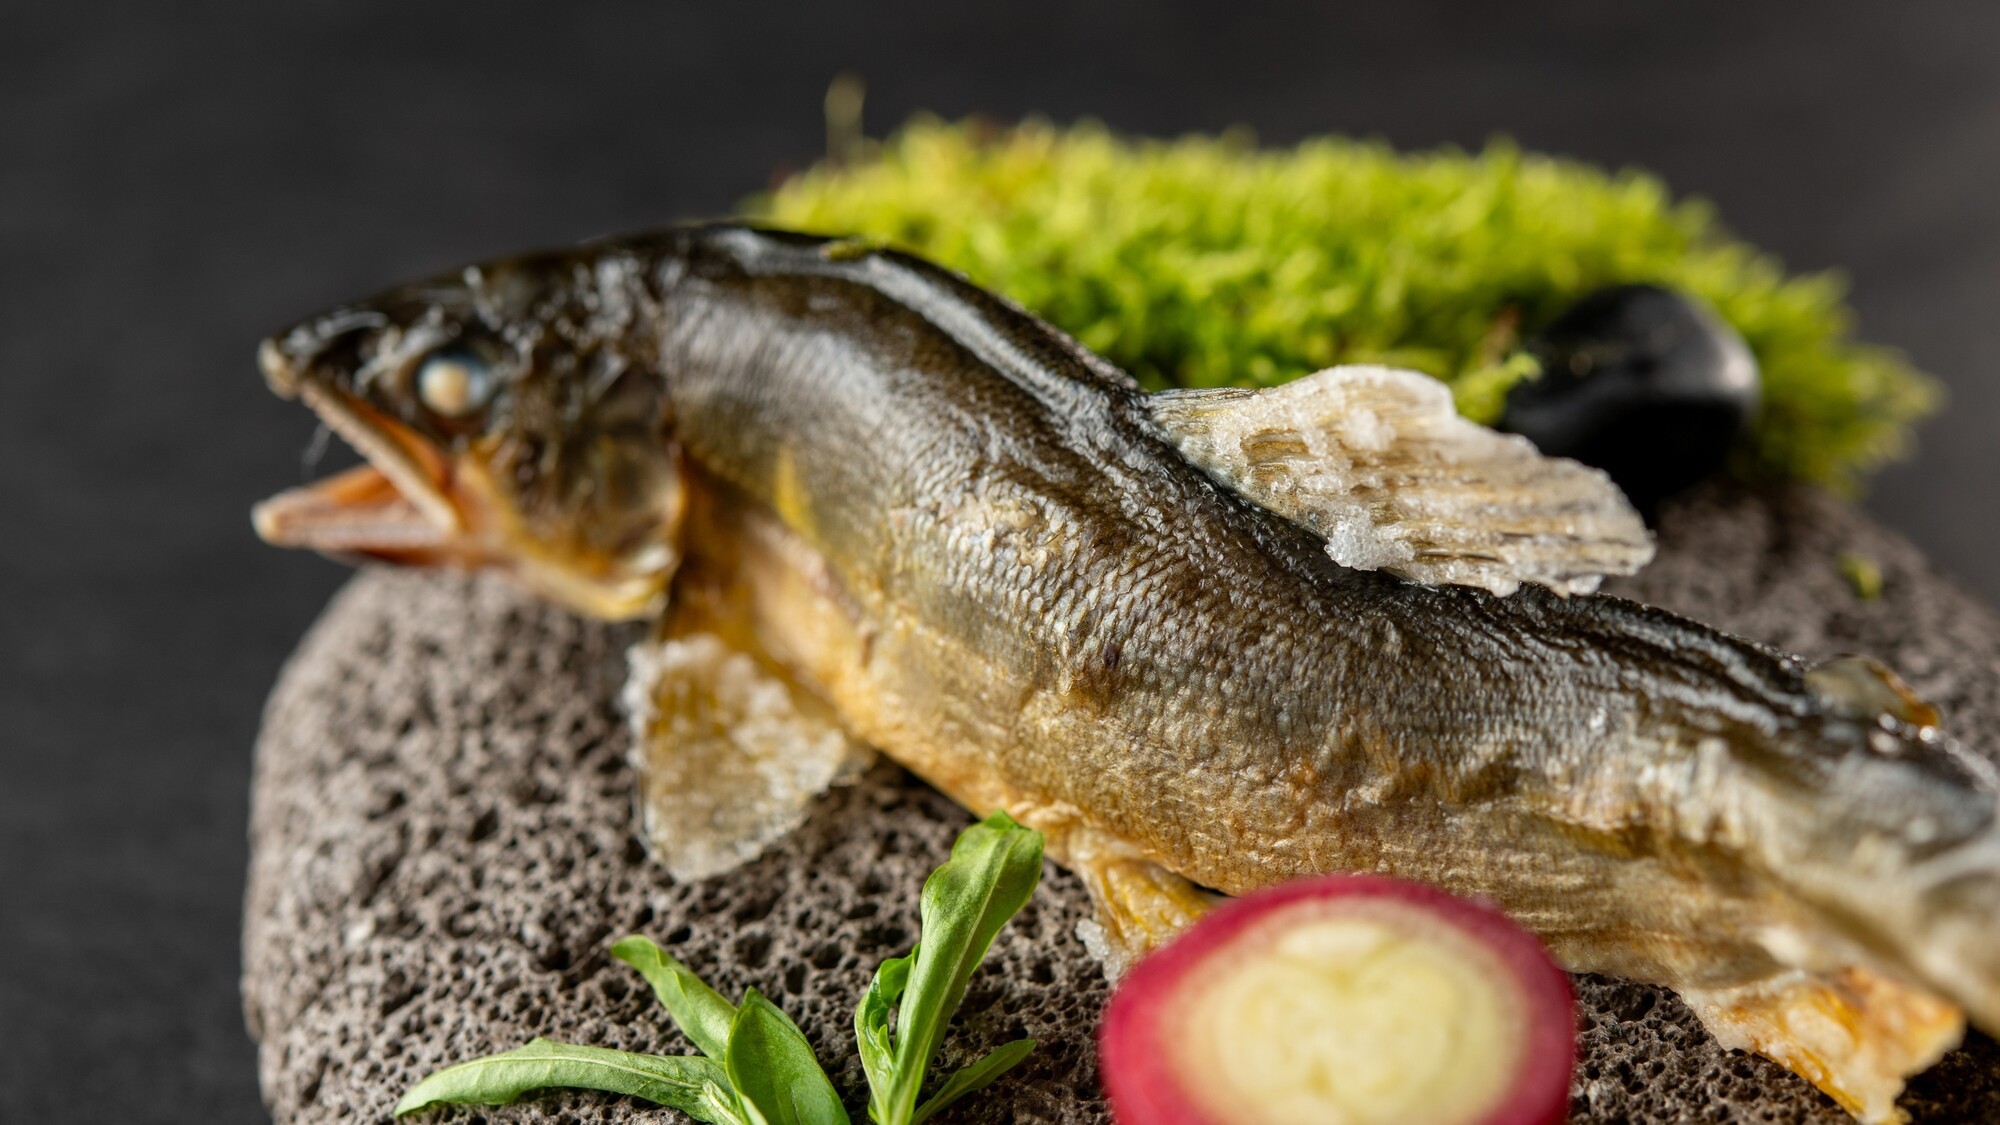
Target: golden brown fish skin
x=1062 y=607
x=988 y=559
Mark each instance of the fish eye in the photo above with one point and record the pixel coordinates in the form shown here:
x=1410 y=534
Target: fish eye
x=453 y=384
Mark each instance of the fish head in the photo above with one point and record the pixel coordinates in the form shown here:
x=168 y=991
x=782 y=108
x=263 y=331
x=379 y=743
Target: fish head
x=509 y=417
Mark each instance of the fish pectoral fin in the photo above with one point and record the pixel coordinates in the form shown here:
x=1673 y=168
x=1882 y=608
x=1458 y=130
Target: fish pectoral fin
x=730 y=754
x=1140 y=906
x=1854 y=1034
x=1377 y=462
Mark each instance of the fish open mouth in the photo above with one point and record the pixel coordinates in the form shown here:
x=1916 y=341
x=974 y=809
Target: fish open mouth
x=401 y=504
x=414 y=503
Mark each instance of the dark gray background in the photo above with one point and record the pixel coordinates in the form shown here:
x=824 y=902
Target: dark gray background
x=177 y=179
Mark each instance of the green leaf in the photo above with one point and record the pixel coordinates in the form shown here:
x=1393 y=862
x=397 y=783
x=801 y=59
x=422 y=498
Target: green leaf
x=719 y=1097
x=871 y=1018
x=698 y=1010
x=695 y=1086
x=993 y=869
x=975 y=1077
x=773 y=1070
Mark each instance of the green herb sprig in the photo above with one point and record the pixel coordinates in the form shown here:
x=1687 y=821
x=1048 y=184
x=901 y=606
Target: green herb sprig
x=993 y=869
x=755 y=1066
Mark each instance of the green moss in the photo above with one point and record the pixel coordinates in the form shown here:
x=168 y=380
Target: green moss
x=1208 y=261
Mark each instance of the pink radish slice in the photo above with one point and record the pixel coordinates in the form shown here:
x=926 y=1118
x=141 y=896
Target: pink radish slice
x=1343 y=1000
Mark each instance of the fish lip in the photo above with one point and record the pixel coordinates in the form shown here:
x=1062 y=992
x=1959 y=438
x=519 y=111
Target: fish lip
x=279 y=374
x=355 y=513
x=399 y=503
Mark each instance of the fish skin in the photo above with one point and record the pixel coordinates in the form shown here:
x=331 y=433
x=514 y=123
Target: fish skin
x=996 y=568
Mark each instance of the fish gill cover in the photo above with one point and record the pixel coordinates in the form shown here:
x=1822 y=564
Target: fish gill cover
x=1208 y=261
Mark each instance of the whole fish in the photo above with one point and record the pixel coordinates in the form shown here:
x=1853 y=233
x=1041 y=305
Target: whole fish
x=1206 y=641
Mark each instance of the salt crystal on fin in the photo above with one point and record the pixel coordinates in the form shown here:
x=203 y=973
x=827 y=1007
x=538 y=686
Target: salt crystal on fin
x=1378 y=463
x=730 y=757
x=1102 y=949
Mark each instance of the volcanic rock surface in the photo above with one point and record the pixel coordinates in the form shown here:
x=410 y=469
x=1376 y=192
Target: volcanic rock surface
x=443 y=848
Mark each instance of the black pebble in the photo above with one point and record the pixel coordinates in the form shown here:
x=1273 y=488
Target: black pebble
x=1643 y=382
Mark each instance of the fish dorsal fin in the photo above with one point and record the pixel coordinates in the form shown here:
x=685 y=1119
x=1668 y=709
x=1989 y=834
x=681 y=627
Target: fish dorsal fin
x=1378 y=463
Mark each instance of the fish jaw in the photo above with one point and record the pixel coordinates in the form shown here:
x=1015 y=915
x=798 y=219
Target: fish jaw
x=399 y=505
x=415 y=503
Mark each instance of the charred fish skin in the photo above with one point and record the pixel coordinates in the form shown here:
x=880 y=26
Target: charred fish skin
x=971 y=538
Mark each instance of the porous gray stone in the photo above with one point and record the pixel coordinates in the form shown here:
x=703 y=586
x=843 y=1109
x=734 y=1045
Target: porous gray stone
x=443 y=849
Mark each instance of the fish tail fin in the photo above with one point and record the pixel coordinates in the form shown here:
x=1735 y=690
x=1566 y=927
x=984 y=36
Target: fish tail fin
x=1958 y=925
x=1903 y=834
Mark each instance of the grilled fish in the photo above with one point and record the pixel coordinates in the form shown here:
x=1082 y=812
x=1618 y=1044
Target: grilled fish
x=1206 y=641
